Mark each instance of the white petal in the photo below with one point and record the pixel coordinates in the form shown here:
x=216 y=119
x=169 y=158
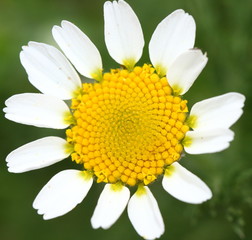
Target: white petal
x=110 y=206
x=185 y=69
x=123 y=33
x=62 y=193
x=49 y=71
x=78 y=48
x=210 y=141
x=217 y=112
x=37 y=109
x=185 y=186
x=37 y=154
x=174 y=35
x=145 y=215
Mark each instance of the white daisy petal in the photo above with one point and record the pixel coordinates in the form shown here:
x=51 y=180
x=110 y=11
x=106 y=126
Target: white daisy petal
x=213 y=140
x=62 y=193
x=217 y=112
x=49 y=71
x=174 y=35
x=145 y=215
x=110 y=206
x=79 y=49
x=123 y=33
x=184 y=185
x=37 y=154
x=185 y=69
x=37 y=109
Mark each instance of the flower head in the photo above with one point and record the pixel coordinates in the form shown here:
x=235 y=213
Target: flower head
x=129 y=127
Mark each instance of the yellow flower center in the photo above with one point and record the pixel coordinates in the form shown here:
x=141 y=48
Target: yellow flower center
x=128 y=127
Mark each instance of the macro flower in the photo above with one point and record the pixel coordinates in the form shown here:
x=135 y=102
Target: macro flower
x=129 y=127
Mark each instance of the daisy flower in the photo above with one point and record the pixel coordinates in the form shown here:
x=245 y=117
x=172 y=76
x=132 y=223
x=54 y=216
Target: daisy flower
x=129 y=127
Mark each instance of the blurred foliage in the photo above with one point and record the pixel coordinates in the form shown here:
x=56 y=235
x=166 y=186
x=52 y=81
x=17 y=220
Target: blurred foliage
x=223 y=31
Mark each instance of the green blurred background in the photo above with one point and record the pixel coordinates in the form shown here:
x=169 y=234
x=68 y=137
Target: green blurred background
x=223 y=31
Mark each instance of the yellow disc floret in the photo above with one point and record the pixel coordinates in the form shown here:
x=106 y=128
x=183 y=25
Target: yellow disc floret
x=128 y=127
